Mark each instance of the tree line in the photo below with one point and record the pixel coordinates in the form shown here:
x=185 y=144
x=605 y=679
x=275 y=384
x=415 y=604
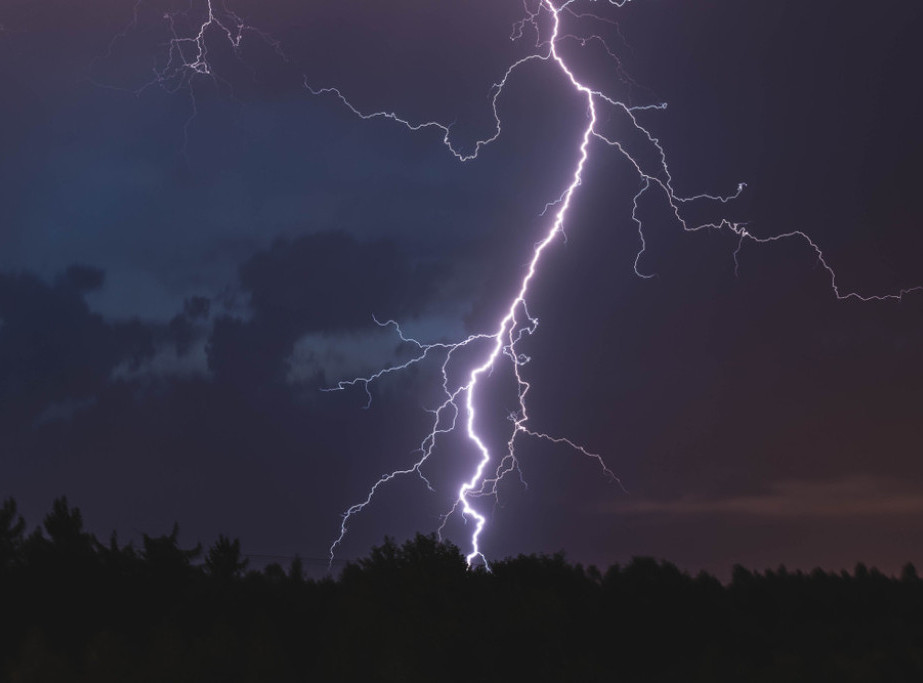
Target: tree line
x=73 y=608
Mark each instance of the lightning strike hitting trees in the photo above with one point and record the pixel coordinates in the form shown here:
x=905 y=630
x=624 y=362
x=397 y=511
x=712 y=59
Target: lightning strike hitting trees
x=187 y=58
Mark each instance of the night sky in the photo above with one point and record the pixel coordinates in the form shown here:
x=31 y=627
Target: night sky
x=184 y=266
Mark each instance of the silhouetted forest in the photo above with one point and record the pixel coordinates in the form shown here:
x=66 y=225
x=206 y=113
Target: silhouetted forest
x=75 y=609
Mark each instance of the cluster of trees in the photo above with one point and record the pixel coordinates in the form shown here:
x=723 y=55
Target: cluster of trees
x=75 y=609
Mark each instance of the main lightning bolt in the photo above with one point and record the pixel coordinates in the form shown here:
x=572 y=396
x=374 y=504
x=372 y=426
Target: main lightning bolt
x=187 y=58
x=517 y=322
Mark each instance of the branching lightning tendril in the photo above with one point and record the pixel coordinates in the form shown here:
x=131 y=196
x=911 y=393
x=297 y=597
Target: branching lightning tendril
x=187 y=57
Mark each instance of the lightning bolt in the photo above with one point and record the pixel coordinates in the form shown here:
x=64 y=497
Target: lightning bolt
x=516 y=323
x=187 y=58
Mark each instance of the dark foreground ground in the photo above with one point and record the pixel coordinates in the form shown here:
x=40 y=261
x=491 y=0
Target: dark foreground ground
x=74 y=609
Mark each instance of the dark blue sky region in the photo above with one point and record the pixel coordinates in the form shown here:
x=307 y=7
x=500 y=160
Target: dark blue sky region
x=183 y=268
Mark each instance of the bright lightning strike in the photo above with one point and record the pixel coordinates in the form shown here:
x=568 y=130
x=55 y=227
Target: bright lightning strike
x=517 y=322
x=187 y=58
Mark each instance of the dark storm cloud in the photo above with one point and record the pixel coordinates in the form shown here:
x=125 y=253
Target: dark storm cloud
x=52 y=348
x=325 y=282
x=331 y=281
x=141 y=439
x=184 y=328
x=88 y=405
x=83 y=278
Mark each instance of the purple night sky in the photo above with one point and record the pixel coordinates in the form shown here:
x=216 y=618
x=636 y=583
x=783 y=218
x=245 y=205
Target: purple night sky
x=184 y=266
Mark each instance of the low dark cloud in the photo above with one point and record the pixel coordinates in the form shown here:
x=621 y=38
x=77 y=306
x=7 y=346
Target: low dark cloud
x=332 y=282
x=321 y=283
x=83 y=278
x=53 y=348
